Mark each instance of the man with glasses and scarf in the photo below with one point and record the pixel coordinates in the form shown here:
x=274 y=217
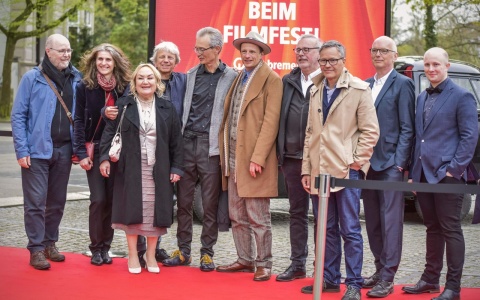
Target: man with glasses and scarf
x=42 y=136
x=342 y=129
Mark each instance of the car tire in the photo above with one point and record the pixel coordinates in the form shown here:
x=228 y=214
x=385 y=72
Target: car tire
x=467 y=203
x=197 y=203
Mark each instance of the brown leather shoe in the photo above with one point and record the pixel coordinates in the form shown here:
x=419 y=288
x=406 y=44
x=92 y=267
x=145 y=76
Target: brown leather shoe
x=262 y=274
x=236 y=267
x=51 y=252
x=39 y=261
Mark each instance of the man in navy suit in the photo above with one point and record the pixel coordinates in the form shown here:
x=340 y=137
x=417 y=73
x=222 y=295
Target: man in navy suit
x=446 y=135
x=394 y=98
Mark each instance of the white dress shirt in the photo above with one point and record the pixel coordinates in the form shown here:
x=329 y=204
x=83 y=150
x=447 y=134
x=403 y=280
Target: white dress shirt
x=378 y=85
x=307 y=81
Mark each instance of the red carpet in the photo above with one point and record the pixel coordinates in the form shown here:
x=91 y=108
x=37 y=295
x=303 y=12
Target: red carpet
x=76 y=278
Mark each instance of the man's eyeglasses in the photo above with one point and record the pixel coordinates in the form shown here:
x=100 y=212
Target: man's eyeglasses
x=201 y=50
x=332 y=61
x=63 y=51
x=374 y=51
x=305 y=50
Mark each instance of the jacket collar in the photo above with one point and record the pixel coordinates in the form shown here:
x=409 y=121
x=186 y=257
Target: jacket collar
x=442 y=98
x=390 y=80
x=257 y=82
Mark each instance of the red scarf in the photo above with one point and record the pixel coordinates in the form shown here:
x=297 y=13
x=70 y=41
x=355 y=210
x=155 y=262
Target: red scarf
x=108 y=86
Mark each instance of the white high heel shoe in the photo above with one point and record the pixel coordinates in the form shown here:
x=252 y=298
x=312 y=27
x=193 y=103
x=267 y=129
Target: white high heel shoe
x=154 y=269
x=137 y=270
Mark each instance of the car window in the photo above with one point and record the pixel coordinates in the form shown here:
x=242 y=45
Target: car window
x=424 y=83
x=476 y=89
x=470 y=84
x=463 y=82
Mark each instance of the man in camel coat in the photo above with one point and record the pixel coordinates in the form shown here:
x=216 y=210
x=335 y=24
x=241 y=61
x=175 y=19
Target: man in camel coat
x=248 y=157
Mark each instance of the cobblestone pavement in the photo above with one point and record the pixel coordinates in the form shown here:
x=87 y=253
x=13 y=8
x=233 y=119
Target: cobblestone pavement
x=74 y=230
x=74 y=238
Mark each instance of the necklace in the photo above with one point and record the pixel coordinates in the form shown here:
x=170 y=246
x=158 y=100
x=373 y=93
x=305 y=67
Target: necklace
x=146 y=105
x=145 y=101
x=147 y=117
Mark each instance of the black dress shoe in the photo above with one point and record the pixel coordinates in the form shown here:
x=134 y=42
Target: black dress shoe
x=106 y=258
x=330 y=287
x=448 y=295
x=371 y=281
x=161 y=255
x=206 y=263
x=422 y=287
x=292 y=273
x=96 y=259
x=142 y=261
x=381 y=290
x=326 y=288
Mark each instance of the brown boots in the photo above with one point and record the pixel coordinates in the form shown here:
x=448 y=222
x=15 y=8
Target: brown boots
x=51 y=252
x=38 y=259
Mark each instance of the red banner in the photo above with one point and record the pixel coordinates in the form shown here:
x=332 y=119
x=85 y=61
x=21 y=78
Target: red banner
x=354 y=23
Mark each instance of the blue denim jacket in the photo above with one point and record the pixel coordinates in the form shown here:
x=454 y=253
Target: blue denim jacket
x=32 y=114
x=178 y=85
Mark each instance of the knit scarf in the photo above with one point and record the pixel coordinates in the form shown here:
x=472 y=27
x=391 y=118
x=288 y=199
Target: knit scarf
x=107 y=85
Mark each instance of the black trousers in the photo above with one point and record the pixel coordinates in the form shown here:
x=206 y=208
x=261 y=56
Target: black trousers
x=299 y=203
x=199 y=166
x=100 y=209
x=441 y=216
x=384 y=212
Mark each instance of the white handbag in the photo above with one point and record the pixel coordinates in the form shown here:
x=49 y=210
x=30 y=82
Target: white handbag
x=116 y=145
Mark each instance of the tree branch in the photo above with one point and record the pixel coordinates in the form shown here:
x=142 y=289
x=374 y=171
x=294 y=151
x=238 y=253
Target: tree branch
x=3 y=29
x=22 y=17
x=53 y=24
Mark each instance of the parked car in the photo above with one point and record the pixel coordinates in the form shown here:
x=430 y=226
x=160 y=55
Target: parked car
x=465 y=75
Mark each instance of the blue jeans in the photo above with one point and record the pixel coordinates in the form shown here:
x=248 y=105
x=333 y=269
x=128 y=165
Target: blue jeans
x=44 y=194
x=343 y=220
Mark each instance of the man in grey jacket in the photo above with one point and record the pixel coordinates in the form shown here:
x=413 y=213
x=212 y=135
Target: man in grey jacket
x=207 y=85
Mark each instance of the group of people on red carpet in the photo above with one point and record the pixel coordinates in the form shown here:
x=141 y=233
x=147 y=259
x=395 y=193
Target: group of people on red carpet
x=229 y=130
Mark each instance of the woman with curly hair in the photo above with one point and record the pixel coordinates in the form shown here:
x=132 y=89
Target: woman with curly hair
x=106 y=72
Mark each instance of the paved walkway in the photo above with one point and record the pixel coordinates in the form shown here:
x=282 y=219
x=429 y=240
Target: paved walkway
x=74 y=228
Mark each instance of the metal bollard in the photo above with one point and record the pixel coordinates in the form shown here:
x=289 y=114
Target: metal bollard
x=323 y=185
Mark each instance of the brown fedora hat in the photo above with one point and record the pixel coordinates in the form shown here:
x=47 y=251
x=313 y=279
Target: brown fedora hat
x=253 y=38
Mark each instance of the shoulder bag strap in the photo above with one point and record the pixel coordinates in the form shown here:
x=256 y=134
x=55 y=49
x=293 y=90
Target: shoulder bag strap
x=99 y=120
x=121 y=119
x=69 y=114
